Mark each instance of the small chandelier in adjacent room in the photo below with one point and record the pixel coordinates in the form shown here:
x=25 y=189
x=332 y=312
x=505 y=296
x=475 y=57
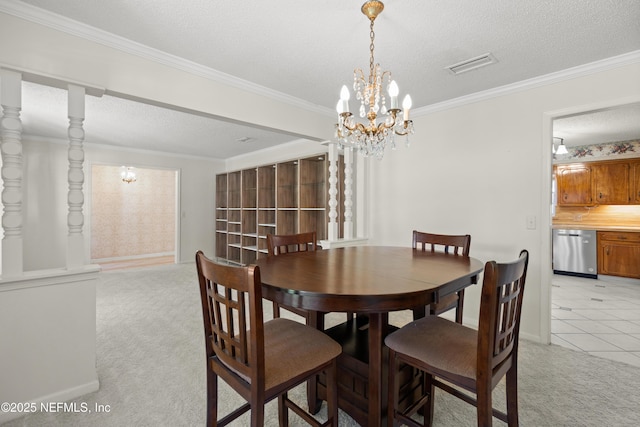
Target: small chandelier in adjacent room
x=562 y=149
x=372 y=138
x=128 y=175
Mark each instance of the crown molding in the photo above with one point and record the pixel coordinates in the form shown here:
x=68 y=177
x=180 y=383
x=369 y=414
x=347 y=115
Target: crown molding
x=547 y=79
x=75 y=28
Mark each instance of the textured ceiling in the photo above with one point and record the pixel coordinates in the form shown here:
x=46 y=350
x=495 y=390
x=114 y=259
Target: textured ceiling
x=609 y=125
x=307 y=50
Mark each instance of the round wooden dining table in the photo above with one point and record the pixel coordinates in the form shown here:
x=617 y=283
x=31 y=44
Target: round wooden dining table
x=371 y=280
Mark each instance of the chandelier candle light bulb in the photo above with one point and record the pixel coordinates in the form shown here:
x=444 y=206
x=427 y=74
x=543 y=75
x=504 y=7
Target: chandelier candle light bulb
x=371 y=138
x=344 y=99
x=406 y=105
x=393 y=94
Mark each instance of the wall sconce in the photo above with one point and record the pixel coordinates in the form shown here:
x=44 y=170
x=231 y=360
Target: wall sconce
x=562 y=149
x=128 y=175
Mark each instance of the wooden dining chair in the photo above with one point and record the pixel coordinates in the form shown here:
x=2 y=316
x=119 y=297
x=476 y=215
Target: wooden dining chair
x=259 y=360
x=455 y=244
x=280 y=244
x=463 y=357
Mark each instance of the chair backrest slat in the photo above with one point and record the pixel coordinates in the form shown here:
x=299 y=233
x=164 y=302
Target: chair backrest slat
x=458 y=244
x=278 y=244
x=500 y=311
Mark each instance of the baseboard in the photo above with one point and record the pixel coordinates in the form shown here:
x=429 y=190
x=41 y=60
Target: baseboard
x=60 y=396
x=132 y=257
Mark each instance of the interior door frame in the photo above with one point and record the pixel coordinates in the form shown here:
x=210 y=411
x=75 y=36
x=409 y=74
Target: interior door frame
x=89 y=199
x=547 y=162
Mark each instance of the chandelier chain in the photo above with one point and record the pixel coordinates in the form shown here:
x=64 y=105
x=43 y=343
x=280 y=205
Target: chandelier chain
x=372 y=35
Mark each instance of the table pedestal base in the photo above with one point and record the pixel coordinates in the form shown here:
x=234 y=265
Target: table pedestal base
x=353 y=374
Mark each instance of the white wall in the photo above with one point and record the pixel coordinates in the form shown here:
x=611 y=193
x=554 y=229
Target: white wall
x=45 y=208
x=48 y=337
x=482 y=169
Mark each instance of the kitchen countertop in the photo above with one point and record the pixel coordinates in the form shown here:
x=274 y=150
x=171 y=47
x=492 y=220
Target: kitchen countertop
x=598 y=227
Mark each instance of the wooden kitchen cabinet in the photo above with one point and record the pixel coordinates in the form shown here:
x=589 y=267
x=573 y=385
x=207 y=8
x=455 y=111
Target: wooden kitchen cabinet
x=635 y=182
x=619 y=254
x=574 y=184
x=611 y=183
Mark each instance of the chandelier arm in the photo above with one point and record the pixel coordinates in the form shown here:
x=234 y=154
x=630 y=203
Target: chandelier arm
x=383 y=125
x=356 y=126
x=406 y=128
x=403 y=133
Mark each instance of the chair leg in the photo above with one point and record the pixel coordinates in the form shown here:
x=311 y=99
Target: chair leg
x=459 y=306
x=316 y=320
x=257 y=415
x=430 y=404
x=276 y=310
x=212 y=397
x=283 y=413
x=332 y=393
x=512 y=396
x=392 y=395
x=485 y=408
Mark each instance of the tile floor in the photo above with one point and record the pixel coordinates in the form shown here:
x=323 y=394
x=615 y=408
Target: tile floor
x=600 y=317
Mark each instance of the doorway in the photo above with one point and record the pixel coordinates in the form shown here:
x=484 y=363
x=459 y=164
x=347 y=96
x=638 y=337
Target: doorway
x=599 y=316
x=133 y=216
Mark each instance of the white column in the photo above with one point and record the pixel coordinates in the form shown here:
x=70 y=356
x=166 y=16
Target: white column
x=332 y=232
x=75 y=196
x=348 y=193
x=362 y=201
x=11 y=148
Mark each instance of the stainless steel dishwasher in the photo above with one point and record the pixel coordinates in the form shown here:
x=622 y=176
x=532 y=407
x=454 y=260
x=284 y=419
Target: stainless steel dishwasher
x=575 y=253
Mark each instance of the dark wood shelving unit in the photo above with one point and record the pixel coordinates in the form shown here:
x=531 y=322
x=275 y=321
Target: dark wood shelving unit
x=279 y=198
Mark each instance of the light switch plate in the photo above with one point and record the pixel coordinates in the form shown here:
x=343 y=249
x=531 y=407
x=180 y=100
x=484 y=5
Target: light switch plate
x=531 y=222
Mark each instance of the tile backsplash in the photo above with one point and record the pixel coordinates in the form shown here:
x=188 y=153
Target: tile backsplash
x=604 y=216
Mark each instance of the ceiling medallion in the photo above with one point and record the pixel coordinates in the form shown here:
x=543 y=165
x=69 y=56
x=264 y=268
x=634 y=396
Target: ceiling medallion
x=371 y=138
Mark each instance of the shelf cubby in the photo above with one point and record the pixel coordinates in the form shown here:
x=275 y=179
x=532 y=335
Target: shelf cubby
x=287 y=185
x=267 y=186
x=233 y=192
x=313 y=186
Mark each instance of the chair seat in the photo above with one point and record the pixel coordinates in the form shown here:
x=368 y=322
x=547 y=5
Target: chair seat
x=450 y=347
x=292 y=349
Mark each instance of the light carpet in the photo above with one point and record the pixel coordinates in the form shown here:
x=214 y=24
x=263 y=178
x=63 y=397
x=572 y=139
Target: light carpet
x=151 y=367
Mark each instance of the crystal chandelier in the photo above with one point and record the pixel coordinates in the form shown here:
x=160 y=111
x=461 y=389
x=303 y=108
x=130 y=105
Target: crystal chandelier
x=372 y=138
x=128 y=175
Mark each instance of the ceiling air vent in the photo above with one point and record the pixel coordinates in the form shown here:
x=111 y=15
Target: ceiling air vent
x=472 y=64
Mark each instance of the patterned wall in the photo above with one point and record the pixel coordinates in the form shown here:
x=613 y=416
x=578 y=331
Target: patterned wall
x=136 y=219
x=607 y=151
